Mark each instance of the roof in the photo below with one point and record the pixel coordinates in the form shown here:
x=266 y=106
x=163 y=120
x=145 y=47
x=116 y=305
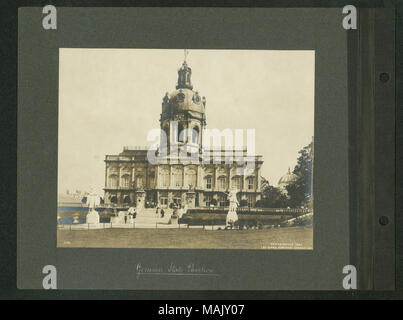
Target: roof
x=287 y=178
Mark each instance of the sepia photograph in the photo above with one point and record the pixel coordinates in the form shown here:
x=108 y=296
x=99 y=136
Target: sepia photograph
x=186 y=149
x=174 y=151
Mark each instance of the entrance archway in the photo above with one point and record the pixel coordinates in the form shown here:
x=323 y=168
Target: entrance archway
x=126 y=200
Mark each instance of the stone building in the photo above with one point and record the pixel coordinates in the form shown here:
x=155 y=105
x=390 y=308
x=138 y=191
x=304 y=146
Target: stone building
x=132 y=179
x=285 y=180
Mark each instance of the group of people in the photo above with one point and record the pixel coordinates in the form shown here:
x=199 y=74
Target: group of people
x=151 y=204
x=129 y=216
x=131 y=213
x=160 y=211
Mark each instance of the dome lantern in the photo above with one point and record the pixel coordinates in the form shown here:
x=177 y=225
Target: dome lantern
x=184 y=77
x=183 y=116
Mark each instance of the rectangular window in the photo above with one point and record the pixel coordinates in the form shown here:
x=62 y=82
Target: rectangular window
x=207 y=200
x=250 y=183
x=165 y=179
x=208 y=183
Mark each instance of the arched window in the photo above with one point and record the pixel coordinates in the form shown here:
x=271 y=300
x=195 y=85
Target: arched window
x=164 y=178
x=151 y=177
x=164 y=137
x=191 y=178
x=113 y=181
x=237 y=182
x=139 y=182
x=125 y=183
x=195 y=135
x=222 y=183
x=126 y=200
x=178 y=178
x=181 y=133
x=114 y=199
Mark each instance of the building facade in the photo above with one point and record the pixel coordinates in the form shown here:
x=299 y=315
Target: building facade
x=183 y=171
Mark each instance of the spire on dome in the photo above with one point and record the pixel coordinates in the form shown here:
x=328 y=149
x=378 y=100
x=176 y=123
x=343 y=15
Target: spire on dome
x=184 y=74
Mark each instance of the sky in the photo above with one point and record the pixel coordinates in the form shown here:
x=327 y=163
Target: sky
x=111 y=98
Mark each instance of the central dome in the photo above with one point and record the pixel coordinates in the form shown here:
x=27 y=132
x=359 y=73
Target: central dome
x=184 y=100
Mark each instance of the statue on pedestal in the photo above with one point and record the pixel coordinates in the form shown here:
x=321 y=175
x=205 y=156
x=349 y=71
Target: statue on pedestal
x=93 y=200
x=232 y=216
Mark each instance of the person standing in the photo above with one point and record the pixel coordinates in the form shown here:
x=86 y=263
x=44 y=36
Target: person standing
x=132 y=212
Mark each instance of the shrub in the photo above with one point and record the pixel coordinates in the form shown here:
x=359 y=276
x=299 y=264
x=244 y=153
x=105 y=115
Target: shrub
x=243 y=203
x=259 y=204
x=245 y=220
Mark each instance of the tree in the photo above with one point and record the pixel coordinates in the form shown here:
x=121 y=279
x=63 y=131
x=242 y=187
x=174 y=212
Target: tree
x=272 y=197
x=299 y=191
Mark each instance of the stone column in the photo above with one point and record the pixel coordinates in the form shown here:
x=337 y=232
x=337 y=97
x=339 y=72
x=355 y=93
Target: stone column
x=214 y=186
x=119 y=175
x=199 y=177
x=170 y=198
x=228 y=177
x=170 y=177
x=133 y=175
x=119 y=197
x=157 y=177
x=184 y=178
x=106 y=175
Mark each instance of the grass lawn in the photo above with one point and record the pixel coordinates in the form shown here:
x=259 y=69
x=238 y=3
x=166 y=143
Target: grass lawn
x=279 y=238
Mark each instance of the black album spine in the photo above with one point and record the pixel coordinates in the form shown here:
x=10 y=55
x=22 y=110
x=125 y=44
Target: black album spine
x=371 y=64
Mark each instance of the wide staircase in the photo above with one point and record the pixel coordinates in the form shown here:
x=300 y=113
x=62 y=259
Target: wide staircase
x=149 y=216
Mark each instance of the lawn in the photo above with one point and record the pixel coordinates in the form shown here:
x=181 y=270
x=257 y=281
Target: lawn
x=278 y=238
